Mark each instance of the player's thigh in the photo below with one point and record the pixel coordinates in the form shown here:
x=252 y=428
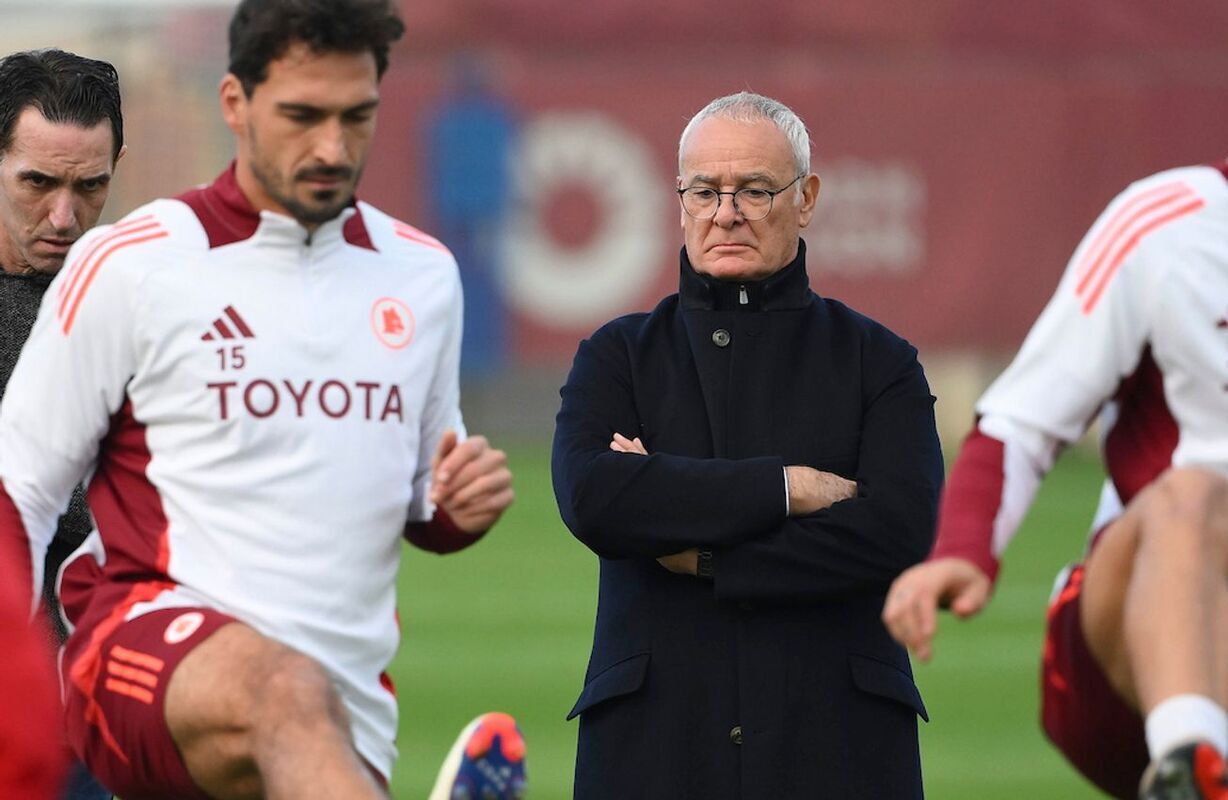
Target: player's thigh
x=1109 y=568
x=229 y=694
x=210 y=710
x=1183 y=515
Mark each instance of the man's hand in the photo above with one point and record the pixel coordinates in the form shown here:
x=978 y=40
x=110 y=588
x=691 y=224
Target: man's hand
x=470 y=481
x=811 y=490
x=684 y=563
x=911 y=610
x=621 y=444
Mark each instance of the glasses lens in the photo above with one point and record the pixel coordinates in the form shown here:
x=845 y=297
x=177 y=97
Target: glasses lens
x=753 y=203
x=700 y=203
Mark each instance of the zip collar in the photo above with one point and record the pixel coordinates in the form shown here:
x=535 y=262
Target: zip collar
x=228 y=217
x=784 y=289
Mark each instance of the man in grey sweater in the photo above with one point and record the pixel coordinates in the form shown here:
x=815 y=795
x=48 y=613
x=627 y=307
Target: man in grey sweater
x=61 y=135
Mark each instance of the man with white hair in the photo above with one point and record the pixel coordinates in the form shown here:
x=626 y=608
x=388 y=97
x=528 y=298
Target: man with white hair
x=753 y=464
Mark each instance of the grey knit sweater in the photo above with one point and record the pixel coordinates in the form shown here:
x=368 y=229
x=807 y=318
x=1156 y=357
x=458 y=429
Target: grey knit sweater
x=20 y=296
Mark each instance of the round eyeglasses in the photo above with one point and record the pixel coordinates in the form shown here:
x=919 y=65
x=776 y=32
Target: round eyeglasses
x=702 y=202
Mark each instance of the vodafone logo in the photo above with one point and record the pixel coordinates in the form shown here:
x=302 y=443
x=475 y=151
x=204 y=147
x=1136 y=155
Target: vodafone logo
x=392 y=322
x=183 y=626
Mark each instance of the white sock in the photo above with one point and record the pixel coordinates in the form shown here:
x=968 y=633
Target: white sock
x=1184 y=718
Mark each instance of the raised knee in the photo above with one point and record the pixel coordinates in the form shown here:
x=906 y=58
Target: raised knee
x=295 y=685
x=1189 y=503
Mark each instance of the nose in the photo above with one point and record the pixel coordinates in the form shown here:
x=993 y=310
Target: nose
x=330 y=146
x=63 y=212
x=727 y=213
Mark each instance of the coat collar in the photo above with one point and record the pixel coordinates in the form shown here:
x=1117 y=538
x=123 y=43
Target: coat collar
x=788 y=288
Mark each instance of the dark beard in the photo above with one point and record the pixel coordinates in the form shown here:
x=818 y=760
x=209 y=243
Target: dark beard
x=316 y=215
x=331 y=201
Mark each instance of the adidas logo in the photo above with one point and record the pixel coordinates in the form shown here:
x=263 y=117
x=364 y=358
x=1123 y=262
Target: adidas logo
x=222 y=327
x=133 y=674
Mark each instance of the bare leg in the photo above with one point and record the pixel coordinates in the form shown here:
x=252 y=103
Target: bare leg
x=256 y=719
x=1155 y=599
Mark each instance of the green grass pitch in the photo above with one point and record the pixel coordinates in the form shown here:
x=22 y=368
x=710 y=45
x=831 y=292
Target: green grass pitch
x=506 y=626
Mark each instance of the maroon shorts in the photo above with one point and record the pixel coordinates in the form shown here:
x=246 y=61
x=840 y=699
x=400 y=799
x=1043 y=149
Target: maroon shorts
x=1082 y=714
x=116 y=674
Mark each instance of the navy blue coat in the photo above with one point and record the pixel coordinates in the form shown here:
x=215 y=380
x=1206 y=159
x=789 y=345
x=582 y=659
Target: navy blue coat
x=774 y=679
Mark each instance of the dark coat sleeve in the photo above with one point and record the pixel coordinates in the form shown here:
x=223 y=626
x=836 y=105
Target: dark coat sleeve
x=863 y=543
x=623 y=505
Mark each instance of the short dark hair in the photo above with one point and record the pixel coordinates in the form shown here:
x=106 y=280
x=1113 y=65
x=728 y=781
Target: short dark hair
x=262 y=30
x=67 y=88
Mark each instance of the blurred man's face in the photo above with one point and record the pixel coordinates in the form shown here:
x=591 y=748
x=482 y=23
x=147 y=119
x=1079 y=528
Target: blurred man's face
x=54 y=180
x=304 y=133
x=728 y=155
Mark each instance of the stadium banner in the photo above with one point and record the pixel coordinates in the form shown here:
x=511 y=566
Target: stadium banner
x=951 y=198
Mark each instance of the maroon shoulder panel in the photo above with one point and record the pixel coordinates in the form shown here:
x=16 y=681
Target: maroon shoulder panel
x=222 y=209
x=355 y=231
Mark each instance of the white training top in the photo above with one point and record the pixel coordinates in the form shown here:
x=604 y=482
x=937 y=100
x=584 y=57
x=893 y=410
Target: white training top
x=257 y=409
x=1137 y=331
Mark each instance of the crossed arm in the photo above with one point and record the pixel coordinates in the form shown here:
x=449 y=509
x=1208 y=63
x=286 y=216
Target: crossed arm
x=808 y=490
x=835 y=534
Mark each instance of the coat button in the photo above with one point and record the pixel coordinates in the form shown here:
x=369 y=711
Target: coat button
x=720 y=337
x=735 y=734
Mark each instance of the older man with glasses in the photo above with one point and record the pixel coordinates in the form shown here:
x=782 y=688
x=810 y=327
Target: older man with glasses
x=753 y=464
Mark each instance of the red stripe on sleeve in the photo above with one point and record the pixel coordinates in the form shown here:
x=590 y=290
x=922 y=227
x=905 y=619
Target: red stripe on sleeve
x=75 y=269
x=74 y=303
x=406 y=231
x=1132 y=242
x=971 y=502
x=1138 y=209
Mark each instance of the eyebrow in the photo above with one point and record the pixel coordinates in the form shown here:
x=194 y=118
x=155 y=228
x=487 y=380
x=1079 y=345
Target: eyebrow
x=754 y=177
x=28 y=174
x=307 y=108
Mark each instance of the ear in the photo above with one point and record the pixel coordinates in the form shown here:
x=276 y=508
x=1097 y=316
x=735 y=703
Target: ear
x=810 y=197
x=234 y=103
x=123 y=149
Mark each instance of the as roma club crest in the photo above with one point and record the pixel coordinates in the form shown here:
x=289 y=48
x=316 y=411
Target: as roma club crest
x=392 y=322
x=183 y=626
